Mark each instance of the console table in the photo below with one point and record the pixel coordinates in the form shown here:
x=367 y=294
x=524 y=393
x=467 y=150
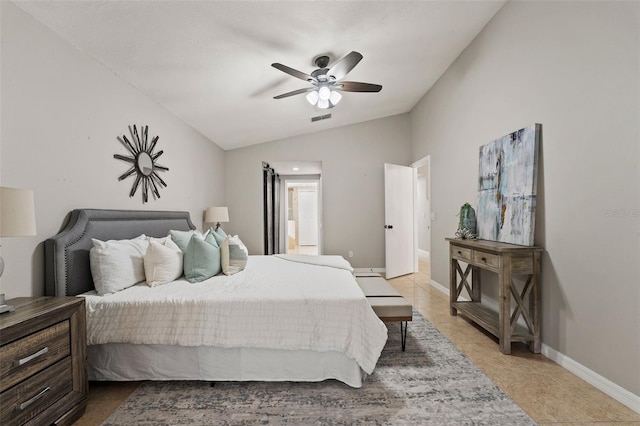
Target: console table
x=506 y=260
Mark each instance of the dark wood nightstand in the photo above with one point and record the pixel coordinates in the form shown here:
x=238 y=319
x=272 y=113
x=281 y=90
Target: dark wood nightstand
x=43 y=346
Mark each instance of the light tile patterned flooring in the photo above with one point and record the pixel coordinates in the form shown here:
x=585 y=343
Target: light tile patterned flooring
x=303 y=250
x=551 y=395
x=547 y=392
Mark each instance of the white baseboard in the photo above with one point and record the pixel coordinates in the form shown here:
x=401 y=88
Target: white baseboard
x=439 y=286
x=444 y=289
x=423 y=254
x=616 y=392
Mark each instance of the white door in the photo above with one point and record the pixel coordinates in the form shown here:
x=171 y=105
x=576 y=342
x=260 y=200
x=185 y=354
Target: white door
x=398 y=213
x=308 y=217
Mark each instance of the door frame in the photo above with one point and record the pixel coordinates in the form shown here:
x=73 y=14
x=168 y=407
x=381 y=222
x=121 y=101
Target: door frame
x=424 y=161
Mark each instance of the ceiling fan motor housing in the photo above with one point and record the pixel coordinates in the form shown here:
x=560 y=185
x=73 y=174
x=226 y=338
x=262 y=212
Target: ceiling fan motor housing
x=322 y=61
x=321 y=74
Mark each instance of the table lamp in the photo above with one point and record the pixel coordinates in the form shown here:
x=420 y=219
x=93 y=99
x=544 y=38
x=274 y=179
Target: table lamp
x=217 y=215
x=17 y=219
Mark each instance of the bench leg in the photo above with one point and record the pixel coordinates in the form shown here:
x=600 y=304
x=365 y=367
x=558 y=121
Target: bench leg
x=403 y=333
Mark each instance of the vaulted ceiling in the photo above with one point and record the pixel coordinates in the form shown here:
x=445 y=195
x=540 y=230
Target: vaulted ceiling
x=209 y=62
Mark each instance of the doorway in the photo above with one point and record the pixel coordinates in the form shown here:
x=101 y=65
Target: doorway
x=422 y=214
x=302 y=217
x=300 y=206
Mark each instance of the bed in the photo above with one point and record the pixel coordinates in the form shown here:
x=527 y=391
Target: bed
x=283 y=318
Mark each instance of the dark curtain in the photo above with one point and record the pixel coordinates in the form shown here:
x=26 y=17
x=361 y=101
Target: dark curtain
x=271 y=195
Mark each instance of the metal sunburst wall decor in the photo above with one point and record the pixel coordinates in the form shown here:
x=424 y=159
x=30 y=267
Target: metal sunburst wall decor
x=143 y=163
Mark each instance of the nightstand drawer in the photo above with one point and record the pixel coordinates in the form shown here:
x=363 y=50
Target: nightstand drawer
x=488 y=259
x=29 y=398
x=460 y=253
x=35 y=352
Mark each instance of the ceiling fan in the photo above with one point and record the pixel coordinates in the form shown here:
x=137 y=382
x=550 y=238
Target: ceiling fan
x=326 y=83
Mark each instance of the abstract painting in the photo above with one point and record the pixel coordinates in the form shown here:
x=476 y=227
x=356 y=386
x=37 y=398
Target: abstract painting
x=507 y=187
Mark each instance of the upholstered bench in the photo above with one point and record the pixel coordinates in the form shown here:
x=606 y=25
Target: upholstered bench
x=386 y=301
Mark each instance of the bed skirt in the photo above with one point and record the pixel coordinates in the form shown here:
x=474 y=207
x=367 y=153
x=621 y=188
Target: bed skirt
x=133 y=362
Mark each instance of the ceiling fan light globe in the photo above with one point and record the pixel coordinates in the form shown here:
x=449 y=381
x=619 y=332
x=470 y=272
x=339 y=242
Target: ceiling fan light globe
x=323 y=103
x=313 y=97
x=325 y=93
x=335 y=97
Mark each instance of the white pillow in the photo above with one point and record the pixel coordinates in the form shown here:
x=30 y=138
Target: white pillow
x=162 y=262
x=159 y=240
x=117 y=264
x=233 y=255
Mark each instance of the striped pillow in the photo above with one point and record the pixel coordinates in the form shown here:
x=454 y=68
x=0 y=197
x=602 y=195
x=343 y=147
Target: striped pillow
x=233 y=255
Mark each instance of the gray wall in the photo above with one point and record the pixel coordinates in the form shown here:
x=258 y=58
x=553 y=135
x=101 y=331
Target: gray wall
x=574 y=67
x=61 y=113
x=353 y=160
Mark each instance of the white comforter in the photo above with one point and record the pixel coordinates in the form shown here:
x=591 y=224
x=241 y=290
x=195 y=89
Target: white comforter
x=324 y=260
x=274 y=303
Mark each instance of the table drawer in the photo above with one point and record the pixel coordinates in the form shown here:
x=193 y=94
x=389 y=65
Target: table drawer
x=29 y=398
x=461 y=253
x=488 y=259
x=35 y=352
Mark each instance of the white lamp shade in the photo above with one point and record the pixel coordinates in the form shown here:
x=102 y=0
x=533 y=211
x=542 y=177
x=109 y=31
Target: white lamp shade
x=324 y=93
x=17 y=212
x=313 y=97
x=335 y=97
x=216 y=214
x=323 y=103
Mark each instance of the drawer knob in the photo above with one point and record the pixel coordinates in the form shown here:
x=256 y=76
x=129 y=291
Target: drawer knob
x=459 y=252
x=484 y=259
x=35 y=398
x=33 y=356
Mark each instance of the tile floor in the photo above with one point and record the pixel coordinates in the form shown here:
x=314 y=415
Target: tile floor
x=551 y=395
x=303 y=250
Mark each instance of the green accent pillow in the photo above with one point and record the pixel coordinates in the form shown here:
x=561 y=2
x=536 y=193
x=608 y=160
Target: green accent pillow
x=201 y=258
x=181 y=238
x=219 y=235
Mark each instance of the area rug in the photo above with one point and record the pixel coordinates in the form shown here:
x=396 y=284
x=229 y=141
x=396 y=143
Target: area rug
x=432 y=383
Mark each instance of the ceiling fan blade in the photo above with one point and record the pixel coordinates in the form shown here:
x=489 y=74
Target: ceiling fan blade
x=291 y=71
x=344 y=65
x=295 y=92
x=354 y=86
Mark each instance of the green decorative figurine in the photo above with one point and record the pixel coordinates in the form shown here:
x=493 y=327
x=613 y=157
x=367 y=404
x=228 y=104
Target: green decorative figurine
x=467 y=223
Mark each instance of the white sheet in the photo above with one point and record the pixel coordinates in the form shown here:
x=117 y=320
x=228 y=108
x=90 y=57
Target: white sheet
x=272 y=304
x=129 y=362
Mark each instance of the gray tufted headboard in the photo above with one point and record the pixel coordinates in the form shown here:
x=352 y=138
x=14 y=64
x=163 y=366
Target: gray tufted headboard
x=67 y=269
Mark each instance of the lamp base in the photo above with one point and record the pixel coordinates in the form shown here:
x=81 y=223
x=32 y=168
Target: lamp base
x=6 y=308
x=3 y=306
